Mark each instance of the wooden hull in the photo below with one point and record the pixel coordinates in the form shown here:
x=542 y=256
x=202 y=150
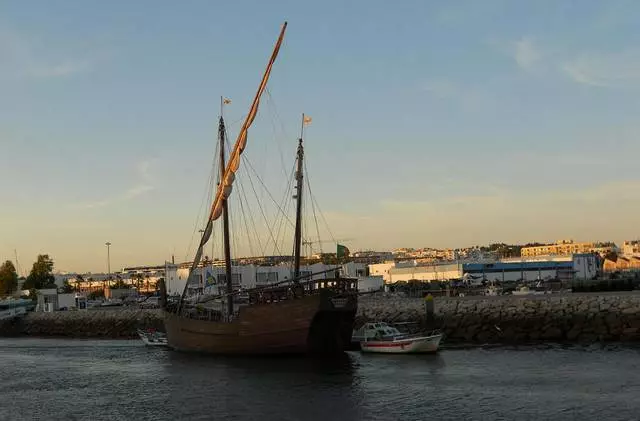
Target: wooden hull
x=304 y=325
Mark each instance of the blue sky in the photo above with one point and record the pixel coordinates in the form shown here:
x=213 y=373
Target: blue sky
x=441 y=124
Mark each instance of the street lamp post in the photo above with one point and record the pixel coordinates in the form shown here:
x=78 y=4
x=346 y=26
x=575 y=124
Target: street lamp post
x=108 y=244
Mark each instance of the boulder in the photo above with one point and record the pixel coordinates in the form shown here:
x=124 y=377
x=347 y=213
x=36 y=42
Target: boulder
x=573 y=334
x=552 y=333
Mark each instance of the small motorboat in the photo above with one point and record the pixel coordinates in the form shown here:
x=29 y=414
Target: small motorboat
x=152 y=337
x=381 y=338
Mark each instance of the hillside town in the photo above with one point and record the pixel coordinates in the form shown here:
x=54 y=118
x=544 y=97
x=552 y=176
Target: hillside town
x=562 y=261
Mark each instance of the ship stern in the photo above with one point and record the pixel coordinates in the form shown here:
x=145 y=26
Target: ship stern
x=332 y=326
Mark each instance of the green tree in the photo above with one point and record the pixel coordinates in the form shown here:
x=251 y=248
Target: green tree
x=120 y=284
x=41 y=275
x=94 y=295
x=66 y=287
x=157 y=286
x=137 y=277
x=8 y=278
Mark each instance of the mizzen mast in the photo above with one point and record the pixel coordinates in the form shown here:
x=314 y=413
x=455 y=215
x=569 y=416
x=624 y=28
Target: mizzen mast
x=298 y=197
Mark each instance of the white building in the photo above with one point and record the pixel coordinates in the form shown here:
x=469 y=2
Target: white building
x=61 y=277
x=382 y=269
x=631 y=248
x=210 y=278
x=575 y=266
x=432 y=272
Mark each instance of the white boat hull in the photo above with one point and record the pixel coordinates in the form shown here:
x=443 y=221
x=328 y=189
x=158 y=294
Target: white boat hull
x=152 y=339
x=12 y=313
x=409 y=345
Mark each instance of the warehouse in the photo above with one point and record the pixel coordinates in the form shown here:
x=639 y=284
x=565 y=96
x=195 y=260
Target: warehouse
x=575 y=266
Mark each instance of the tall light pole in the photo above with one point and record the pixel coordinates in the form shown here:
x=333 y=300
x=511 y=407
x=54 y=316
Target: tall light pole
x=108 y=244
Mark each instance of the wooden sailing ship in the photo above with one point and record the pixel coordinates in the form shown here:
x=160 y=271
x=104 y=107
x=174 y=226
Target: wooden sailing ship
x=295 y=316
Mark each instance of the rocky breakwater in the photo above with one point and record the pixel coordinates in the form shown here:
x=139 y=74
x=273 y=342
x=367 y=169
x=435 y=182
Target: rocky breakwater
x=569 y=317
x=112 y=323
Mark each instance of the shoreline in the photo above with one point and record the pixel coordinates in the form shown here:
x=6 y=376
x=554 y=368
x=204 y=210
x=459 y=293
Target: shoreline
x=581 y=318
x=122 y=323
x=455 y=346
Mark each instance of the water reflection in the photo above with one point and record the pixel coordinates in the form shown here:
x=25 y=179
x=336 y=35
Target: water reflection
x=280 y=388
x=343 y=363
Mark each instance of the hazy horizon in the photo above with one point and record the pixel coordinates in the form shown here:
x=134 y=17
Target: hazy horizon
x=434 y=125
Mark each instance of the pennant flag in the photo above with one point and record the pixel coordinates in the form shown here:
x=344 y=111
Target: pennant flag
x=306 y=120
x=210 y=280
x=342 y=251
x=226 y=101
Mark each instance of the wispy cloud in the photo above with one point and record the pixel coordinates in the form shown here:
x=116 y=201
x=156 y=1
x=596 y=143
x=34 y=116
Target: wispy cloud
x=526 y=53
x=621 y=69
x=23 y=57
x=613 y=70
x=143 y=185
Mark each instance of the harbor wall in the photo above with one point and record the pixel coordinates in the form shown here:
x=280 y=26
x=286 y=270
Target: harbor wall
x=584 y=317
x=568 y=317
x=119 y=323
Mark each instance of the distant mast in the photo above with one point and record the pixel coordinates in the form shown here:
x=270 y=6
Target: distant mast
x=298 y=196
x=225 y=214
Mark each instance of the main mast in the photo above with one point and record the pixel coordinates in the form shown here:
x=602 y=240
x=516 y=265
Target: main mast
x=299 y=186
x=225 y=217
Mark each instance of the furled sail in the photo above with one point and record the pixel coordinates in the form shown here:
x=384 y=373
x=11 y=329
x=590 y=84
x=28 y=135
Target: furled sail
x=226 y=183
x=224 y=189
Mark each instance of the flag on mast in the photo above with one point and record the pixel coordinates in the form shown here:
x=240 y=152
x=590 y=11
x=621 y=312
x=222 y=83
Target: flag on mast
x=226 y=101
x=342 y=251
x=307 y=120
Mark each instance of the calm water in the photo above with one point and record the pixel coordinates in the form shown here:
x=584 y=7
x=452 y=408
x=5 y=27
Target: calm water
x=52 y=379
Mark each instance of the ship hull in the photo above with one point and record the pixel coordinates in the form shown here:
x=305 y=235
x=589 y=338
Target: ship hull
x=310 y=324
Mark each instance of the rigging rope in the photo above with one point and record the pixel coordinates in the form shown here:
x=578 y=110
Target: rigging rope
x=281 y=219
x=243 y=197
x=271 y=102
x=256 y=195
x=207 y=196
x=313 y=207
x=265 y=187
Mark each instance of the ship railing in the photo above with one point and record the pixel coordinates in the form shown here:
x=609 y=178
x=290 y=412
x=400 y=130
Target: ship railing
x=296 y=287
x=207 y=314
x=276 y=292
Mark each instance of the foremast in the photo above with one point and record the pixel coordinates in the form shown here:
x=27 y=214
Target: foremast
x=228 y=176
